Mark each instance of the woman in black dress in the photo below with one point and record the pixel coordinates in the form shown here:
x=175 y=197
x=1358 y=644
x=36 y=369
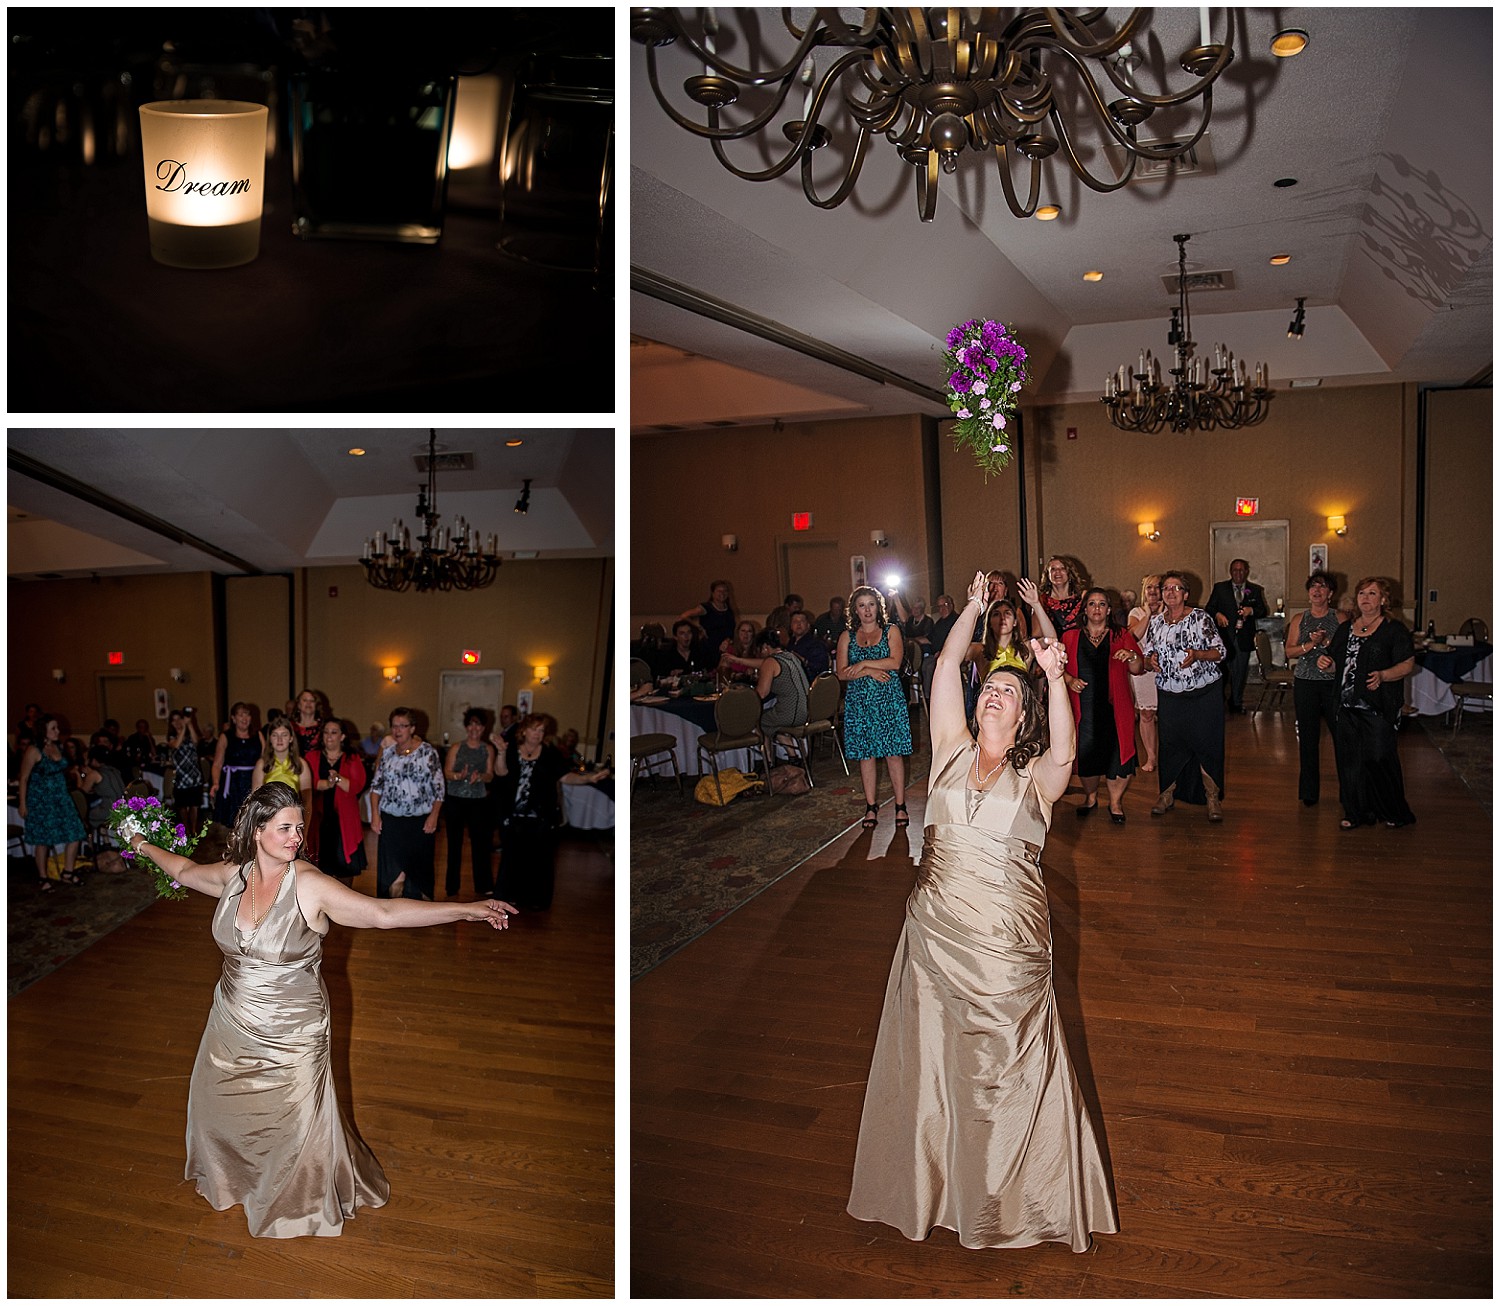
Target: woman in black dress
x=238 y=751
x=1370 y=657
x=530 y=800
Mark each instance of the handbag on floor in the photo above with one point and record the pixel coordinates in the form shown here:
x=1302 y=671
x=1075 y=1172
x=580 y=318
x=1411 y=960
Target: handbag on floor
x=731 y=783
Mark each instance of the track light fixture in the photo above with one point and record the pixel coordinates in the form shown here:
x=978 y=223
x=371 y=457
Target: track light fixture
x=1298 y=323
x=523 y=504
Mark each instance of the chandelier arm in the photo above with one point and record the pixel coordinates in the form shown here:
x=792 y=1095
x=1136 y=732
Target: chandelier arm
x=927 y=188
x=1002 y=159
x=847 y=33
x=709 y=132
x=749 y=76
x=1080 y=169
x=1062 y=23
x=851 y=175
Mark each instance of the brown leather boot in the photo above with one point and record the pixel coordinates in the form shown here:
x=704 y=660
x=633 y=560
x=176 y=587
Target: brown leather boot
x=1165 y=802
x=1215 y=812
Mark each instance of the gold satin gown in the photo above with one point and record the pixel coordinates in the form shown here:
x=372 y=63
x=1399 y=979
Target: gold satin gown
x=264 y=1126
x=972 y=1118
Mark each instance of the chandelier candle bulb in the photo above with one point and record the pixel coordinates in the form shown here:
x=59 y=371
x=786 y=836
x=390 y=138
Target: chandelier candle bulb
x=205 y=164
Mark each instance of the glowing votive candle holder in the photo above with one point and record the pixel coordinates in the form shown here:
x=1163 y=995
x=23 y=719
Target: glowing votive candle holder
x=205 y=164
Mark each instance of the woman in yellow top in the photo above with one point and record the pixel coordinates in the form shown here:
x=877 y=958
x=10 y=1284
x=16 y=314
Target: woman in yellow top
x=1002 y=640
x=282 y=762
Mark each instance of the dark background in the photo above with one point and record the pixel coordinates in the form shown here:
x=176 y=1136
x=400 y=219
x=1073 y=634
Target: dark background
x=311 y=325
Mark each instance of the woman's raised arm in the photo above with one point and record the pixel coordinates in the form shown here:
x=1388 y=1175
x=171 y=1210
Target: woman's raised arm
x=950 y=725
x=210 y=878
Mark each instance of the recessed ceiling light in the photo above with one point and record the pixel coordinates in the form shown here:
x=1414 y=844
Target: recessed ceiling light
x=356 y=453
x=1047 y=212
x=1093 y=276
x=1280 y=260
x=511 y=444
x=1288 y=41
x=1285 y=182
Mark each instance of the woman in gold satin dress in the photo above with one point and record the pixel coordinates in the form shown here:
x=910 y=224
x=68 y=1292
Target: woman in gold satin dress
x=264 y=1126
x=973 y=1119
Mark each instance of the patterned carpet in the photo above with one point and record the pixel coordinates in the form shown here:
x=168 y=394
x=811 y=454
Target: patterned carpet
x=44 y=930
x=692 y=864
x=1471 y=753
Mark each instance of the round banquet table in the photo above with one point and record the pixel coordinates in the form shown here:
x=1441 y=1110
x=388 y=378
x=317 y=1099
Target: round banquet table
x=687 y=721
x=1437 y=670
x=588 y=807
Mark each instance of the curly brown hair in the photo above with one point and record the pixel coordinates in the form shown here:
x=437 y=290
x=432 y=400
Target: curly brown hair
x=1031 y=733
x=254 y=815
x=881 y=618
x=1077 y=577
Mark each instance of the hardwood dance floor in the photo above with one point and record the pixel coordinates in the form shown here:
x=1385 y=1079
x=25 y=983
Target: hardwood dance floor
x=1284 y=1029
x=478 y=1066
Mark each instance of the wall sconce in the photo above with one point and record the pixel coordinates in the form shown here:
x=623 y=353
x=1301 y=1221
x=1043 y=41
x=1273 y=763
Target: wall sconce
x=179 y=676
x=59 y=675
x=1147 y=529
x=1337 y=525
x=544 y=674
x=878 y=538
x=393 y=674
x=205 y=166
x=731 y=543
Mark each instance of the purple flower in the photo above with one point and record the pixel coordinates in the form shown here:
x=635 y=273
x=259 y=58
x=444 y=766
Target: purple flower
x=984 y=403
x=182 y=832
x=135 y=804
x=153 y=802
x=955 y=338
x=1015 y=386
x=975 y=359
x=964 y=414
x=999 y=421
x=959 y=382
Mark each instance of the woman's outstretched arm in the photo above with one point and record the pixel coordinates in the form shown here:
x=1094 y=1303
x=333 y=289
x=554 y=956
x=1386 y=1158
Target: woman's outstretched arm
x=320 y=896
x=210 y=878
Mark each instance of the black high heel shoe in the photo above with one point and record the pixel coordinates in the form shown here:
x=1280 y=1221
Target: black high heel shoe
x=902 y=818
x=872 y=814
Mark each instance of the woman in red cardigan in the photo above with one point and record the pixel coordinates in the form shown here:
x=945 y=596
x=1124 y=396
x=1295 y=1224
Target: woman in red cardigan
x=335 y=837
x=1101 y=660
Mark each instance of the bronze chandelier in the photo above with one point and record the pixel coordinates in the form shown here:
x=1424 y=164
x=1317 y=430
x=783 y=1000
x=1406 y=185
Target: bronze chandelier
x=937 y=82
x=1199 y=397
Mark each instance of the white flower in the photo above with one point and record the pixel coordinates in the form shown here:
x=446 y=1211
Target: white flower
x=964 y=413
x=984 y=403
x=1015 y=386
x=999 y=421
x=979 y=387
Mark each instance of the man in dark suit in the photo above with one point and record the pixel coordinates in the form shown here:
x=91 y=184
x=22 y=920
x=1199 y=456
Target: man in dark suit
x=1236 y=605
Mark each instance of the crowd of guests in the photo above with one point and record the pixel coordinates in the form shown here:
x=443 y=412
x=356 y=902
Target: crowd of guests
x=495 y=787
x=1150 y=676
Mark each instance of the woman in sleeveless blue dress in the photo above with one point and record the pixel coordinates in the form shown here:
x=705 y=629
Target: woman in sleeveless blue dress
x=876 y=721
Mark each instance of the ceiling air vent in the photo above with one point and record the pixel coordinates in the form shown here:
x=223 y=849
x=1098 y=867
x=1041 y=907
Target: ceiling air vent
x=446 y=462
x=1221 y=280
x=1196 y=161
x=1305 y=382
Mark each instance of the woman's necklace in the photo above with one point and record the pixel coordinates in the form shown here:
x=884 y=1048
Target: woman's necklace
x=1098 y=639
x=1368 y=625
x=981 y=780
x=254 y=919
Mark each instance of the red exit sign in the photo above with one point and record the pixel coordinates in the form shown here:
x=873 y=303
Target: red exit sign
x=116 y=659
x=802 y=521
x=1246 y=507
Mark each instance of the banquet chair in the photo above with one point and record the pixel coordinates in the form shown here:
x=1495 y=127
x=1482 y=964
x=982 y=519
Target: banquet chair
x=95 y=824
x=822 y=707
x=1464 y=690
x=1275 y=681
x=650 y=751
x=640 y=673
x=1475 y=626
x=737 y=726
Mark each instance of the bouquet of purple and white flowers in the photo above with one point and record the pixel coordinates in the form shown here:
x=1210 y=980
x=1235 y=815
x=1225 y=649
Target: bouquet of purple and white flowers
x=986 y=369
x=146 y=816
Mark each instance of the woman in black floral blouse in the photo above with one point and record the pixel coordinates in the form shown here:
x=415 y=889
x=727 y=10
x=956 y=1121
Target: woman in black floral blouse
x=530 y=773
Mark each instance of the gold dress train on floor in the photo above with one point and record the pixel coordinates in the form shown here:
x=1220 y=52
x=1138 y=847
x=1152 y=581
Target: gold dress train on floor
x=973 y=1120
x=264 y=1126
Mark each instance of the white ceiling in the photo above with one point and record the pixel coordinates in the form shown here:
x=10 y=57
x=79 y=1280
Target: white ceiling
x=283 y=499
x=1384 y=121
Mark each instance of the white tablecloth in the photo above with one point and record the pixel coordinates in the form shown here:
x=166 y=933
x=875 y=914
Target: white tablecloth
x=646 y=720
x=1433 y=696
x=586 y=807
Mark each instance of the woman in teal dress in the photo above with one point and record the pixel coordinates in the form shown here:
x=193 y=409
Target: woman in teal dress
x=876 y=722
x=45 y=806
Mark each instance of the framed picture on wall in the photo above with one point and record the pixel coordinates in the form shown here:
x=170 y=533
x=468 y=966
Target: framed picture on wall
x=523 y=703
x=1317 y=558
x=856 y=572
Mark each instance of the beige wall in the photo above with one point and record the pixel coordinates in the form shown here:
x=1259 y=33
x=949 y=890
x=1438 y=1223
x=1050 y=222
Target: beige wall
x=541 y=612
x=1343 y=450
x=689 y=490
x=1460 y=465
x=157 y=622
